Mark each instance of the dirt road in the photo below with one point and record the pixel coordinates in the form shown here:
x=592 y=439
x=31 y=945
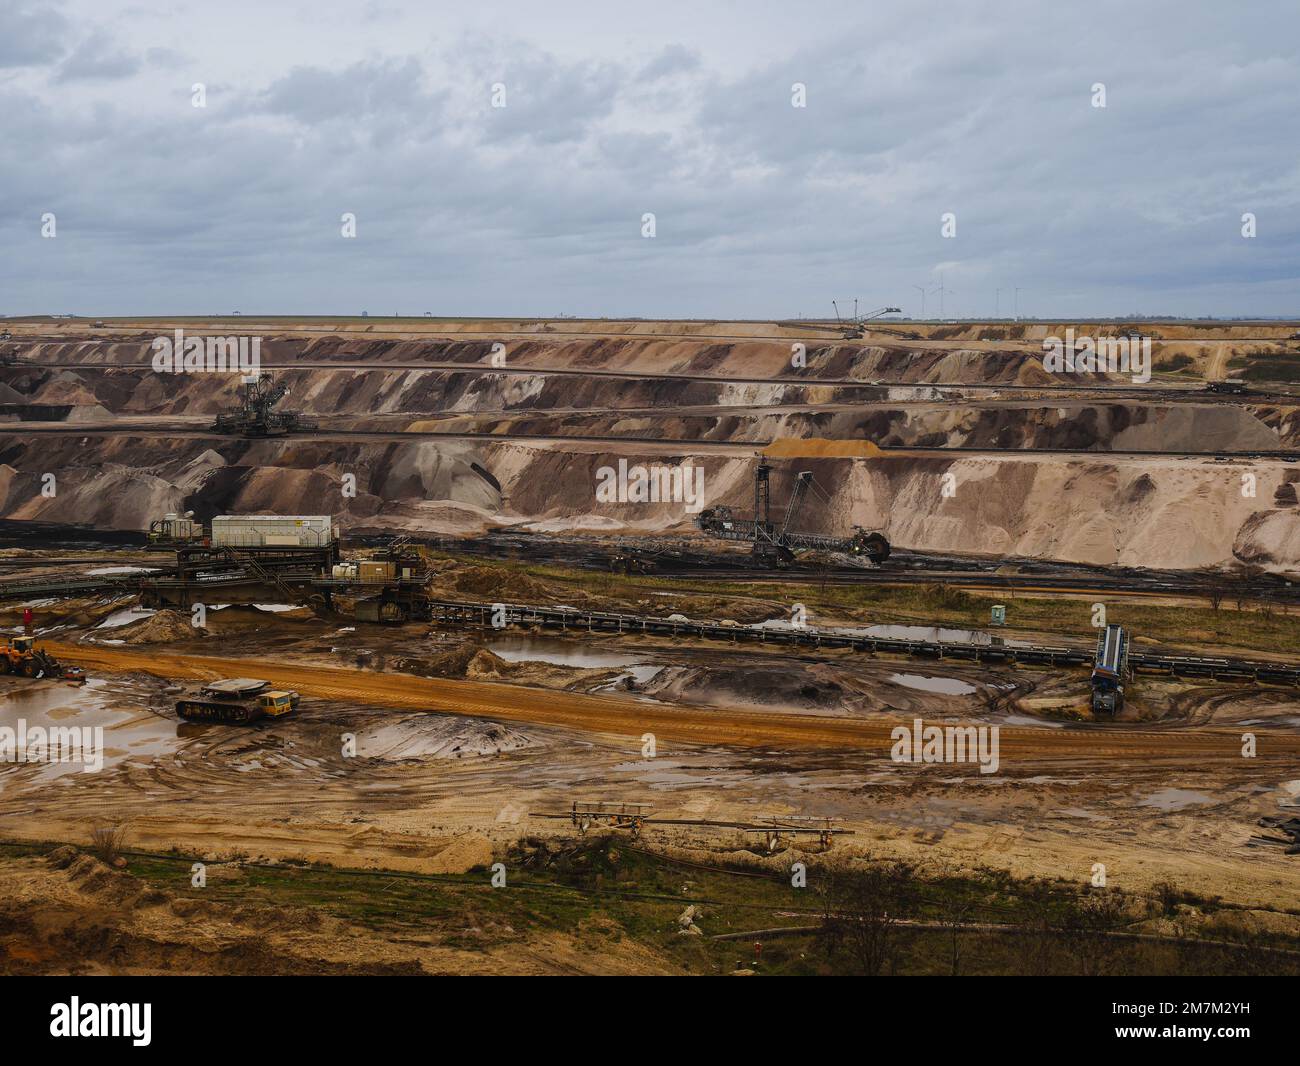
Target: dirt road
x=683 y=723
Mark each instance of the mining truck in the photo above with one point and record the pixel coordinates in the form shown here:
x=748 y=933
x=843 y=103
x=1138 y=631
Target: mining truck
x=239 y=700
x=633 y=561
x=19 y=655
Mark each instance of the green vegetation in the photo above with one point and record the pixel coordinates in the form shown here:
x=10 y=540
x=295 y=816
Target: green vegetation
x=1224 y=620
x=1171 y=364
x=878 y=918
x=1261 y=365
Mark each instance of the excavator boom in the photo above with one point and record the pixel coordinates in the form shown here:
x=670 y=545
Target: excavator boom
x=779 y=546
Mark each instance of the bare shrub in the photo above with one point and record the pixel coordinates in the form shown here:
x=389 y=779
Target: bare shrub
x=1086 y=927
x=106 y=841
x=863 y=910
x=1037 y=921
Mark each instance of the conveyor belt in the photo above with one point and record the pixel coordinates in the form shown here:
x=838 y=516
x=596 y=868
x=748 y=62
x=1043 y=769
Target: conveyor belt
x=496 y=616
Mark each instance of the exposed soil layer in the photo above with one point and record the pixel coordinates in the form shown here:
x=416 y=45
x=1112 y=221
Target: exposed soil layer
x=424 y=751
x=1161 y=513
x=70 y=913
x=1122 y=507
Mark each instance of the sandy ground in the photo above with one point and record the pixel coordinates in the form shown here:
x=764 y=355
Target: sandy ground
x=541 y=441
x=432 y=752
x=447 y=770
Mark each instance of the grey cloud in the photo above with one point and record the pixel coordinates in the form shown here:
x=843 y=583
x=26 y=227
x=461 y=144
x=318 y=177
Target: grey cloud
x=377 y=89
x=548 y=101
x=762 y=209
x=99 y=58
x=31 y=35
x=673 y=60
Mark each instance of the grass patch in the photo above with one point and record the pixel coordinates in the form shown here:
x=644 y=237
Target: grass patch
x=605 y=890
x=1267 y=628
x=1269 y=366
x=1173 y=363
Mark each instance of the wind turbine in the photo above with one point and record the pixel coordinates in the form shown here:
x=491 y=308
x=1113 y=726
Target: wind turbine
x=942 y=292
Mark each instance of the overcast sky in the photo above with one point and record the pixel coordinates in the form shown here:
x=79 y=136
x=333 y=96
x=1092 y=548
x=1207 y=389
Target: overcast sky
x=685 y=110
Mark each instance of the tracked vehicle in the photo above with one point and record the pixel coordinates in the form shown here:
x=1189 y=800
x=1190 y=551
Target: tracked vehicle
x=237 y=700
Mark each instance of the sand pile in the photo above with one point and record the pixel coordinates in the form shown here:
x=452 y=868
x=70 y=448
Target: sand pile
x=1270 y=539
x=93 y=877
x=468 y=660
x=494 y=585
x=486 y=664
x=435 y=736
x=160 y=628
x=462 y=854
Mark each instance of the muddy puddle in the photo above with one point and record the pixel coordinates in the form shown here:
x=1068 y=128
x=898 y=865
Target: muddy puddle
x=558 y=653
x=944 y=686
x=632 y=679
x=948 y=636
x=439 y=737
x=1175 y=799
x=109 y=732
x=1029 y=720
x=901 y=632
x=125 y=617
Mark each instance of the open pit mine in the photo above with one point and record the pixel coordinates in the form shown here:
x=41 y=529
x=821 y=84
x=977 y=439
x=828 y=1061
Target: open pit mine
x=323 y=631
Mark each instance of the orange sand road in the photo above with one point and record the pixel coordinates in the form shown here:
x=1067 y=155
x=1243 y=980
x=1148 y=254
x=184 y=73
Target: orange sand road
x=684 y=723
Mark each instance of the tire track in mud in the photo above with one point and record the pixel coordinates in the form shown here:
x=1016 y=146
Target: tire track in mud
x=683 y=723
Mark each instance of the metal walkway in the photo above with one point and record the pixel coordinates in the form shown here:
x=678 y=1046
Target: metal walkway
x=467 y=614
x=500 y=615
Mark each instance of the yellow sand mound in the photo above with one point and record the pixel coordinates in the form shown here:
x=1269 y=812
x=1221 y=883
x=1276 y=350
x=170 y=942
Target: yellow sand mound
x=820 y=448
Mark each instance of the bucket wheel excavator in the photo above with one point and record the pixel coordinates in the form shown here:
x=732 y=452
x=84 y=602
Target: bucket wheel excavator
x=777 y=546
x=256 y=415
